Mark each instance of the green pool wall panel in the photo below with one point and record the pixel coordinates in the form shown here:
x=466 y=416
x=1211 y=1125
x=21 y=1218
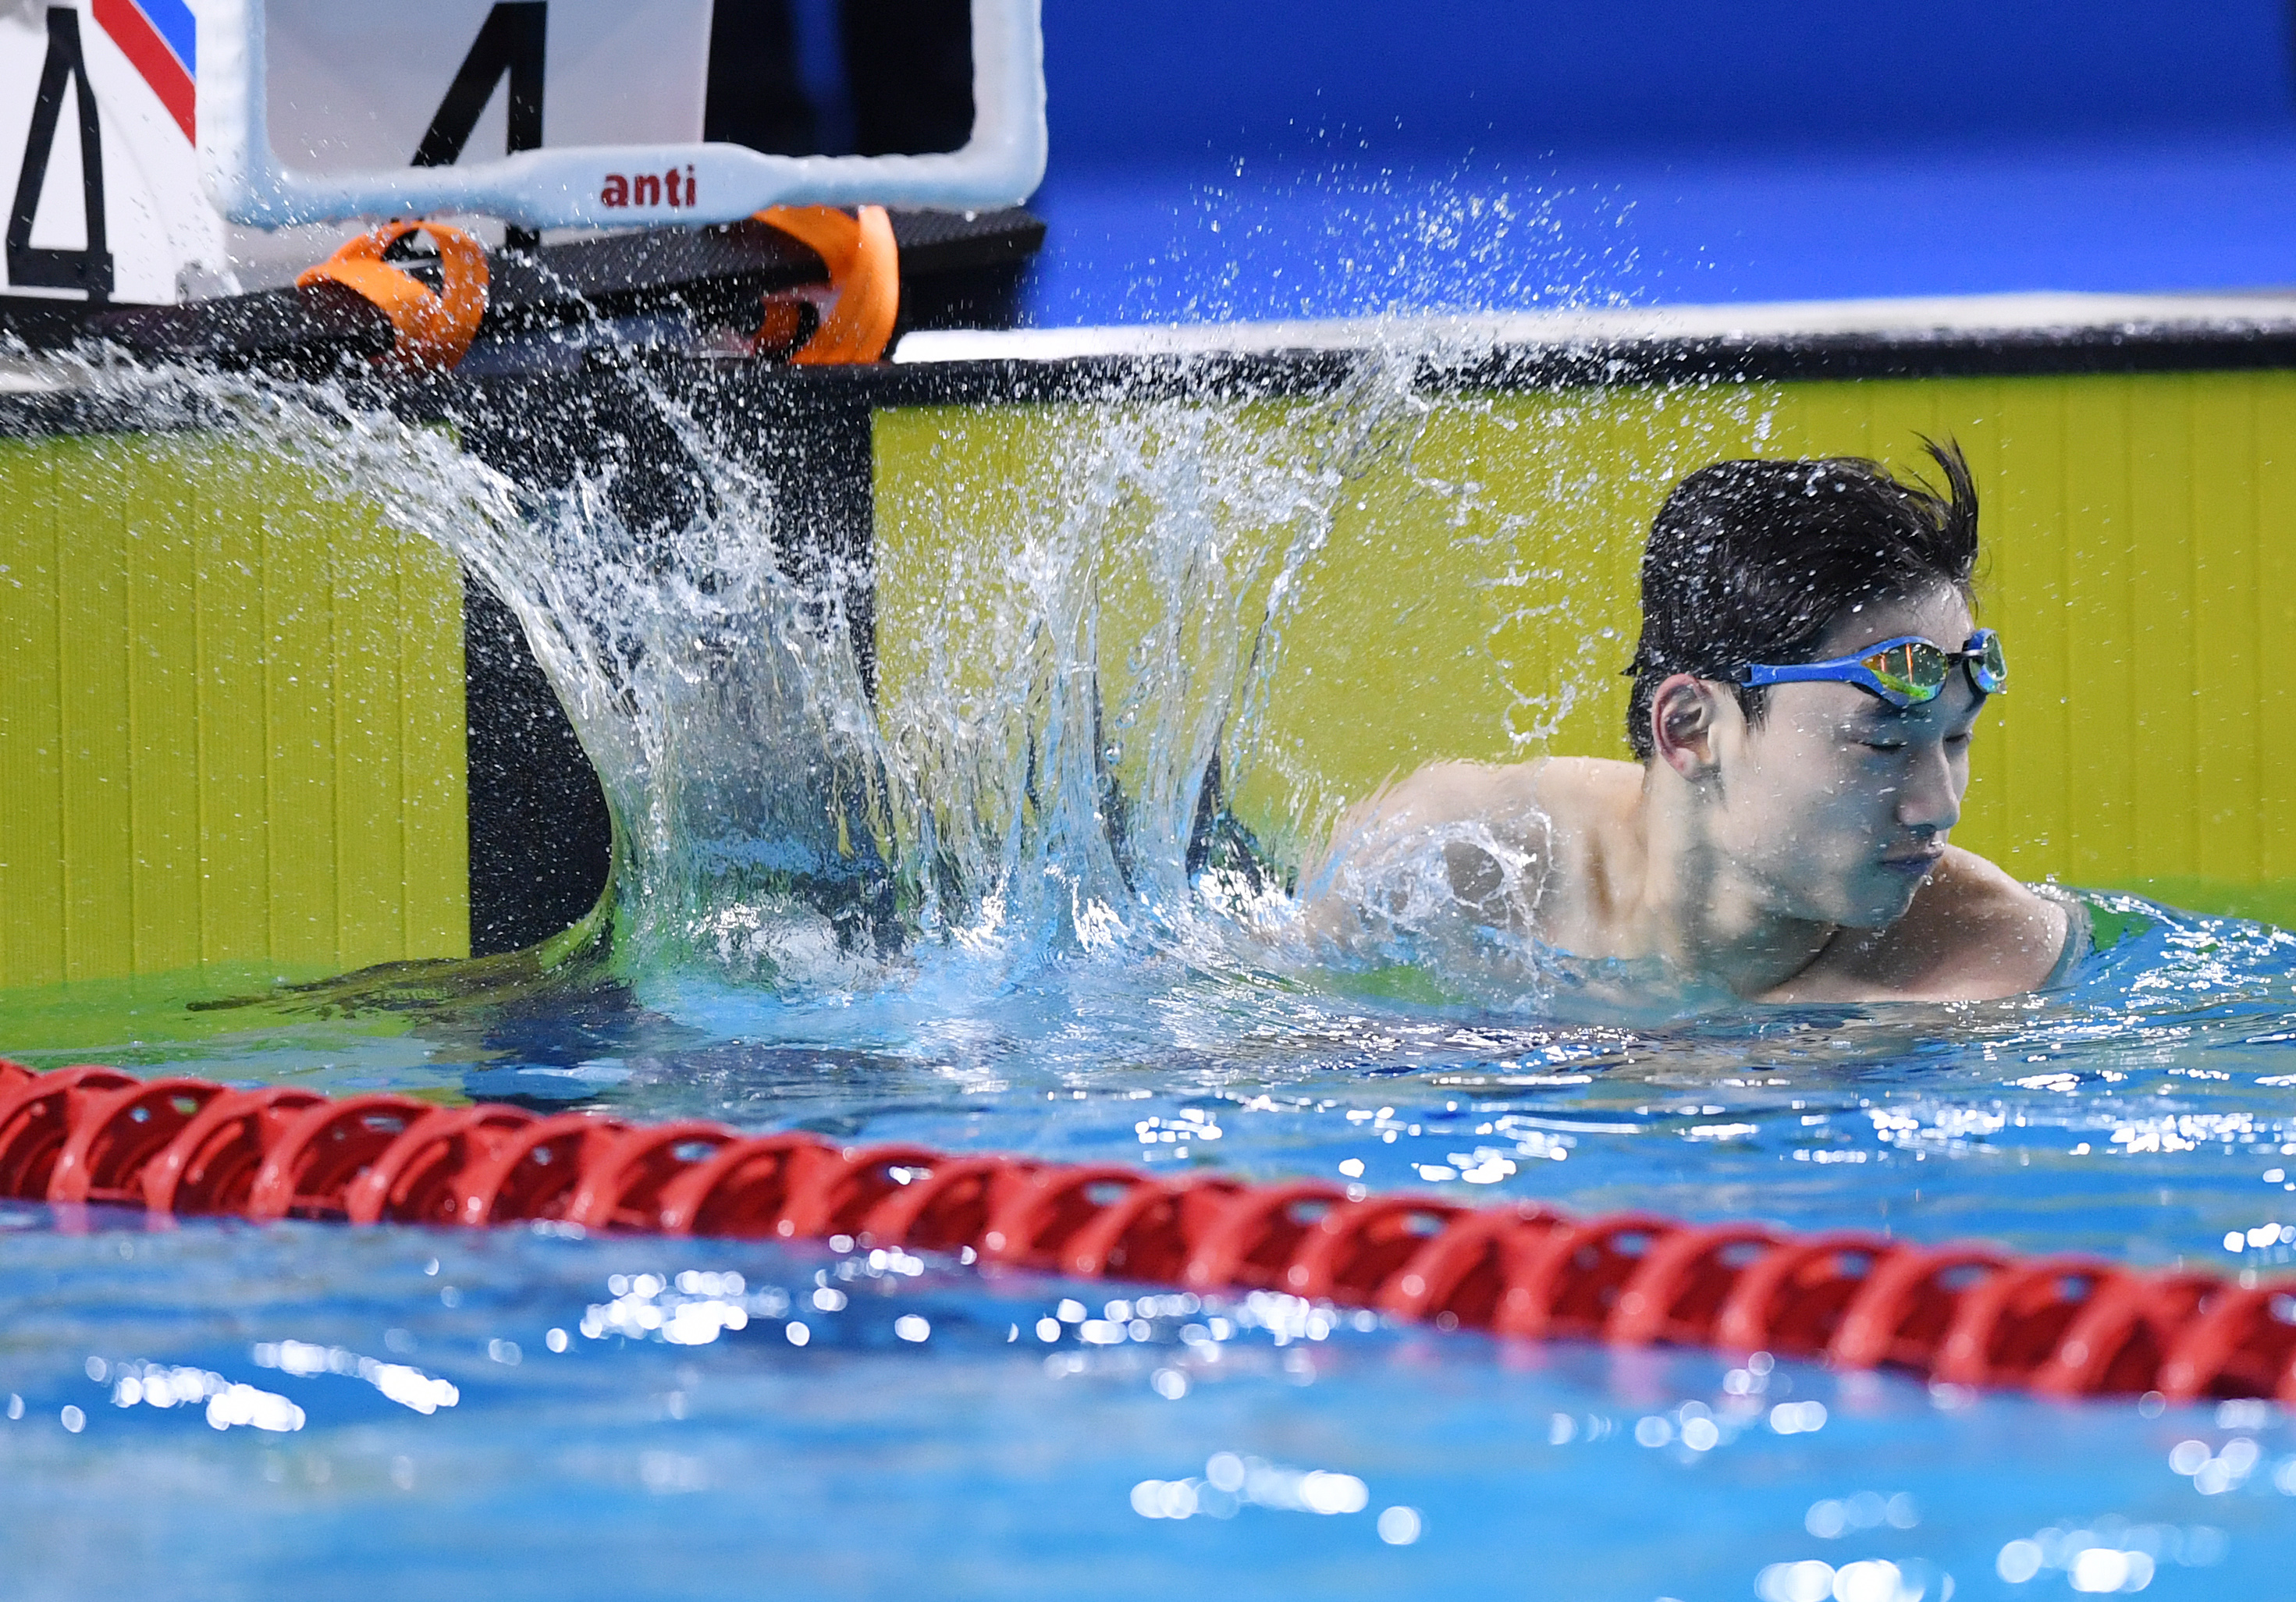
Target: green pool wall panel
x=1476 y=596
x=231 y=720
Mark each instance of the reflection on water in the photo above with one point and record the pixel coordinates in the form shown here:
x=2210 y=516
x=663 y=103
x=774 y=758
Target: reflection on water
x=850 y=1421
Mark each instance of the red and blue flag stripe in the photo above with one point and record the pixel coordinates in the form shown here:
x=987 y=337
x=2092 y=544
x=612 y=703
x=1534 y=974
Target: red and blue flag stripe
x=160 y=41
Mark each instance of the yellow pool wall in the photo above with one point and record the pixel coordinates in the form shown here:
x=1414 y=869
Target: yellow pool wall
x=231 y=720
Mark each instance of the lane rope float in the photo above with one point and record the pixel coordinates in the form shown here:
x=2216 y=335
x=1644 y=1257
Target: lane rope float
x=434 y=328
x=1966 y=1315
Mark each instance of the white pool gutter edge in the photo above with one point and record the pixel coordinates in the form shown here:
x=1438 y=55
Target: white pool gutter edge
x=1957 y=315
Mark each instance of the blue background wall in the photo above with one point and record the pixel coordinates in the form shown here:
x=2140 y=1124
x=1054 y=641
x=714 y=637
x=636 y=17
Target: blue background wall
x=1274 y=158
x=1134 y=80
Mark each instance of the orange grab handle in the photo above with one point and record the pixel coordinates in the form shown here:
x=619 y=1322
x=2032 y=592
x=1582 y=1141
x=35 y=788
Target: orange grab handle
x=434 y=330
x=864 y=275
x=1968 y=1315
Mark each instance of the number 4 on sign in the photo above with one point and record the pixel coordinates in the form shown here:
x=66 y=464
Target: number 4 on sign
x=30 y=267
x=512 y=44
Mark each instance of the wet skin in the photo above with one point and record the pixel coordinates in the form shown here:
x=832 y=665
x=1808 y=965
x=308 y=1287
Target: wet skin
x=1801 y=858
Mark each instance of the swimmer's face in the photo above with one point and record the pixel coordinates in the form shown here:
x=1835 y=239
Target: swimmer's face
x=1836 y=806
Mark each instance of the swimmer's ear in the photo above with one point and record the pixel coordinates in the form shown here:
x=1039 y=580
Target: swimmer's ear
x=1682 y=726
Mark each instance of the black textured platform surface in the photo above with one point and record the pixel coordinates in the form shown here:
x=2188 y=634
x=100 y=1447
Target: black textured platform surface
x=700 y=273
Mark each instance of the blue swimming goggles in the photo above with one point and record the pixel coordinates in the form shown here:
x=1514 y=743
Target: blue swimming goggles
x=1905 y=672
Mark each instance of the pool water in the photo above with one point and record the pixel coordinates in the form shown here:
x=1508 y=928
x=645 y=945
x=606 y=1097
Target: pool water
x=217 y=1409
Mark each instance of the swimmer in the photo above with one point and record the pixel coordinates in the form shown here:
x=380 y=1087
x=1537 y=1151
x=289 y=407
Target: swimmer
x=1809 y=679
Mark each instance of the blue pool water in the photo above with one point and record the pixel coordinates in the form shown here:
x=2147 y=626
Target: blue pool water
x=925 y=1439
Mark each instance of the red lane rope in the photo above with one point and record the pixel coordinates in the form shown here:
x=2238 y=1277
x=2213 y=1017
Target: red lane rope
x=1966 y=1315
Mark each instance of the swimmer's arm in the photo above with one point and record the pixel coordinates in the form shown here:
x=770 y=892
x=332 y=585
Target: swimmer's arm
x=1973 y=934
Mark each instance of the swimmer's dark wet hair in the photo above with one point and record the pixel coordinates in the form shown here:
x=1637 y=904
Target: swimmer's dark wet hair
x=1752 y=561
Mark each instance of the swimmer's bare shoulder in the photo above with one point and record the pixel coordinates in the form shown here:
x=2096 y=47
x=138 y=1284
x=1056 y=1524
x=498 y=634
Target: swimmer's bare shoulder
x=1575 y=793
x=1973 y=934
x=1592 y=902
x=1569 y=815
x=1586 y=796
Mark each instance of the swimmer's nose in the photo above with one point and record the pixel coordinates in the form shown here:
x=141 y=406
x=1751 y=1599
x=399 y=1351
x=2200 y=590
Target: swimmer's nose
x=1929 y=802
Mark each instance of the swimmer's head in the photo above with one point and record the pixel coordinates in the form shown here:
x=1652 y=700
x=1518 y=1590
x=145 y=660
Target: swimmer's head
x=1757 y=560
x=1829 y=801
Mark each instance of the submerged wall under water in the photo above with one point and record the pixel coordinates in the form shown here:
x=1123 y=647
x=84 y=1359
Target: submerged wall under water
x=237 y=717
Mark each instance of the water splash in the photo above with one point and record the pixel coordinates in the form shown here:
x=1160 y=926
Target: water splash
x=1079 y=739
x=1049 y=779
